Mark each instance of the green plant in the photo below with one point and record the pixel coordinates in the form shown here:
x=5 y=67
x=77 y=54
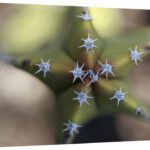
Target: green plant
x=104 y=67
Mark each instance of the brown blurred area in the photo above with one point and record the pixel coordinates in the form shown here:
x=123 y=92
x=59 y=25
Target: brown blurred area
x=6 y=10
x=133 y=18
x=27 y=106
x=139 y=81
x=27 y=109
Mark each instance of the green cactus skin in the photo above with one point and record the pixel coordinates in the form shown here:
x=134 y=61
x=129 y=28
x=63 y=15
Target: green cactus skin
x=65 y=57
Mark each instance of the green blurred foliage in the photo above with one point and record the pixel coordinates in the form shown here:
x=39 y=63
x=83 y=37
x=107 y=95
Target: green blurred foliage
x=31 y=26
x=109 y=23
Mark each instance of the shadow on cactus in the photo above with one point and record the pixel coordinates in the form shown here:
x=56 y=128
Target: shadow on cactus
x=89 y=72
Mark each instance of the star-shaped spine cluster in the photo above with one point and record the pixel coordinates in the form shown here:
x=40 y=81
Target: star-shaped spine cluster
x=94 y=77
x=85 y=15
x=78 y=73
x=71 y=128
x=119 y=96
x=139 y=111
x=82 y=97
x=135 y=55
x=106 y=69
x=44 y=67
x=88 y=44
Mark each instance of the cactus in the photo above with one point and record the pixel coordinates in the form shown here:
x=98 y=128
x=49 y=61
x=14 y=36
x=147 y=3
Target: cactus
x=87 y=73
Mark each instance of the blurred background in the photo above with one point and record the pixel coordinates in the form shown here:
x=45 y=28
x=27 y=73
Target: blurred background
x=27 y=105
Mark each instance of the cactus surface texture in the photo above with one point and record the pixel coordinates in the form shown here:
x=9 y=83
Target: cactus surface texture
x=87 y=65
